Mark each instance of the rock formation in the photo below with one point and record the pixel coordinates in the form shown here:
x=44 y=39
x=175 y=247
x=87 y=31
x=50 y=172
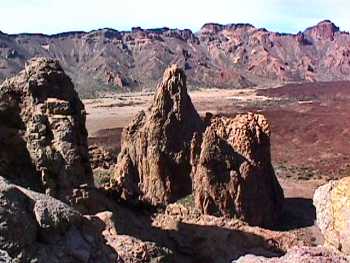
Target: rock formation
x=230 y=163
x=154 y=164
x=35 y=226
x=43 y=139
x=324 y=30
x=232 y=171
x=332 y=202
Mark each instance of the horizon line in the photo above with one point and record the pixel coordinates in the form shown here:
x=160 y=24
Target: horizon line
x=163 y=27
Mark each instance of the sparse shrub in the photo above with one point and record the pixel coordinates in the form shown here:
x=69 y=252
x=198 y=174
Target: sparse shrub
x=102 y=176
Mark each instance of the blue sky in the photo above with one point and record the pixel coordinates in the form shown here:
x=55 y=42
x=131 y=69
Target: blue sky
x=53 y=16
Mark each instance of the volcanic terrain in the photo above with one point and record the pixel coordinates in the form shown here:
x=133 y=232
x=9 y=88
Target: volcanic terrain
x=223 y=56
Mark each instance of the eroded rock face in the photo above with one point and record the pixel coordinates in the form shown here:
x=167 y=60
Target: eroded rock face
x=232 y=171
x=154 y=165
x=43 y=139
x=332 y=202
x=324 y=30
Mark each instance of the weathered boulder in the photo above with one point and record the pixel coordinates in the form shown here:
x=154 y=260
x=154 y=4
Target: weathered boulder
x=37 y=226
x=299 y=254
x=18 y=228
x=154 y=163
x=232 y=171
x=332 y=202
x=43 y=139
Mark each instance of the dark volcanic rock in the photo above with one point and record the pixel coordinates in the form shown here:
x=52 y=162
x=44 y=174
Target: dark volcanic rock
x=232 y=171
x=154 y=164
x=35 y=226
x=43 y=139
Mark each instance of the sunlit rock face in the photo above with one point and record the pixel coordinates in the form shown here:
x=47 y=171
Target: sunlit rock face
x=42 y=131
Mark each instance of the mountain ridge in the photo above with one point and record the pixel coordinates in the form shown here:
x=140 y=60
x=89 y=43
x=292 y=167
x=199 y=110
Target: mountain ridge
x=236 y=55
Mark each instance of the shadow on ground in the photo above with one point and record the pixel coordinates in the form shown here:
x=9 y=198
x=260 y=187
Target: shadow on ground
x=193 y=243
x=297 y=213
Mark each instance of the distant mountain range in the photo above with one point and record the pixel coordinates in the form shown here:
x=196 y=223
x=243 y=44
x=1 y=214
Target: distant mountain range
x=222 y=56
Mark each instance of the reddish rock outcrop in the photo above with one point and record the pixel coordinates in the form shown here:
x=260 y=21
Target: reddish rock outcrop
x=154 y=163
x=232 y=171
x=43 y=139
x=324 y=30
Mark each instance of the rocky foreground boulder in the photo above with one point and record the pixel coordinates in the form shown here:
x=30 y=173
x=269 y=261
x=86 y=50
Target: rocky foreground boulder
x=154 y=163
x=38 y=228
x=332 y=202
x=232 y=171
x=43 y=139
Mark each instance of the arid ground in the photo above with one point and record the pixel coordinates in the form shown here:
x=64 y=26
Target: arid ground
x=310 y=130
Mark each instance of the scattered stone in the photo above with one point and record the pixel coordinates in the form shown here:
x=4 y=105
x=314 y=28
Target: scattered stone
x=299 y=254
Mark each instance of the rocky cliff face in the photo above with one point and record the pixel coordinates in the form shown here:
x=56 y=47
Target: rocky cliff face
x=231 y=56
x=154 y=163
x=42 y=131
x=232 y=171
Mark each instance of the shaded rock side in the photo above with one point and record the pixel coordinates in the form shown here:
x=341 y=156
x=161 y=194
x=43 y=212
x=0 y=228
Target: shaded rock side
x=154 y=163
x=232 y=171
x=43 y=139
x=35 y=227
x=332 y=202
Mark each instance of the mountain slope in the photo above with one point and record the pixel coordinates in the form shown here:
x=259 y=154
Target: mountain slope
x=227 y=56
